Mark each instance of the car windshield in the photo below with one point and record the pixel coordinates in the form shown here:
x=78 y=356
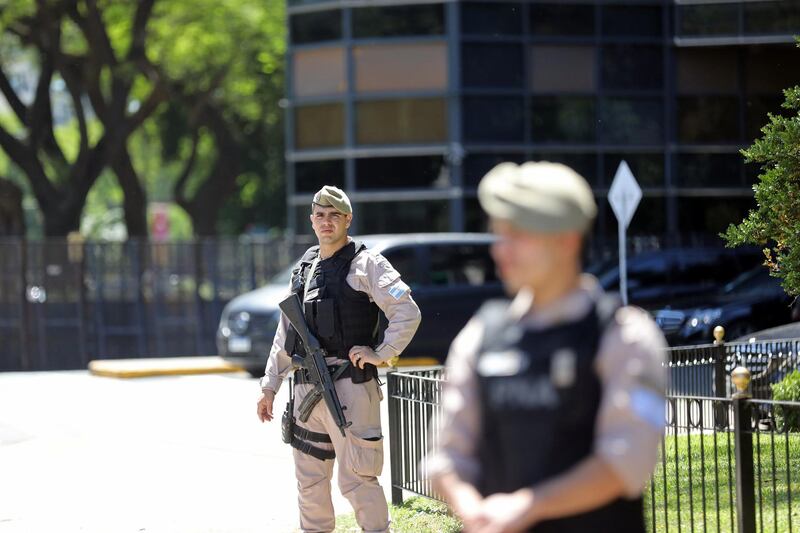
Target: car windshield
x=753 y=281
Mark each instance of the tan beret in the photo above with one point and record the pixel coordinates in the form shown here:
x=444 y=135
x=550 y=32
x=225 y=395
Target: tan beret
x=542 y=197
x=330 y=196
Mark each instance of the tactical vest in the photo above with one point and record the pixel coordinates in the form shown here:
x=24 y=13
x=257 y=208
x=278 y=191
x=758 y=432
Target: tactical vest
x=539 y=400
x=338 y=315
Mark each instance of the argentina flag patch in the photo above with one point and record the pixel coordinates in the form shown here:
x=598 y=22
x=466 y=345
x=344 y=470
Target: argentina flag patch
x=398 y=290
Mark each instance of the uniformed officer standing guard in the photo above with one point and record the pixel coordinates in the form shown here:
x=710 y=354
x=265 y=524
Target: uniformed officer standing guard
x=343 y=287
x=554 y=405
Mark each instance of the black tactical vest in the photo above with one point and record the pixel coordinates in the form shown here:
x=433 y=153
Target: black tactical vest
x=539 y=400
x=338 y=315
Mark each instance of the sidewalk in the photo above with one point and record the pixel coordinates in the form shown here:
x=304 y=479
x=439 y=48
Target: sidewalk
x=172 y=454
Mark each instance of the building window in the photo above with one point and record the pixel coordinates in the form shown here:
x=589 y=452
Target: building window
x=756 y=113
x=648 y=169
x=493 y=119
x=562 y=19
x=707 y=70
x=771 y=69
x=708 y=119
x=781 y=17
x=583 y=164
x=400 y=67
x=708 y=170
x=711 y=215
x=401 y=173
x=404 y=217
x=562 y=69
x=491 y=19
x=632 y=121
x=650 y=217
x=631 y=21
x=632 y=68
x=706 y=20
x=401 y=121
x=475 y=218
x=310 y=176
x=318 y=72
x=424 y=19
x=492 y=65
x=316 y=27
x=318 y=126
x=563 y=119
x=476 y=166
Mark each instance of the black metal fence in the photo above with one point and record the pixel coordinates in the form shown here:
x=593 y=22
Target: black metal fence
x=64 y=303
x=725 y=464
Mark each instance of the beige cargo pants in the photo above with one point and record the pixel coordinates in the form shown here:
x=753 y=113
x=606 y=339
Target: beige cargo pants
x=360 y=461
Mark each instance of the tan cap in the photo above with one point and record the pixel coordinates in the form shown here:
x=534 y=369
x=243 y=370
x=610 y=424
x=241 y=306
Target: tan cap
x=542 y=197
x=330 y=196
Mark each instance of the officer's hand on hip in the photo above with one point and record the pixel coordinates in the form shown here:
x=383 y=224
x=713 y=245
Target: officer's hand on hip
x=361 y=355
x=264 y=408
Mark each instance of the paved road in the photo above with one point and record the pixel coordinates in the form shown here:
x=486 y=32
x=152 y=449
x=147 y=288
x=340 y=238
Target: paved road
x=170 y=454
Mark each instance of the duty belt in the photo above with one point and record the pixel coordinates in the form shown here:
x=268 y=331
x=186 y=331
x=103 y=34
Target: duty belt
x=302 y=376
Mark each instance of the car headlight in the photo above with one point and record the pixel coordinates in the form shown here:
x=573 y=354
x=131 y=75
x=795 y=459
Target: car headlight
x=703 y=318
x=239 y=322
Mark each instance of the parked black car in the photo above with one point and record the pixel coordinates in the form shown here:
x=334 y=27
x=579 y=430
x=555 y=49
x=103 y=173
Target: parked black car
x=450 y=274
x=658 y=278
x=753 y=301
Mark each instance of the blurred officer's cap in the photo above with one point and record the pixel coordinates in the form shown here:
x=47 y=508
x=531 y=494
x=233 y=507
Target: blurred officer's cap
x=538 y=196
x=330 y=196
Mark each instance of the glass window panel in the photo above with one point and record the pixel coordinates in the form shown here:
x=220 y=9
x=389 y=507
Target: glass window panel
x=405 y=261
x=704 y=20
x=492 y=65
x=316 y=27
x=388 y=21
x=401 y=67
x=711 y=215
x=583 y=164
x=493 y=119
x=648 y=169
x=562 y=69
x=401 y=121
x=403 y=217
x=630 y=68
x=476 y=166
x=562 y=19
x=631 y=21
x=475 y=218
x=708 y=170
x=318 y=72
x=310 y=176
x=461 y=265
x=632 y=121
x=491 y=19
x=781 y=17
x=771 y=69
x=563 y=119
x=401 y=172
x=756 y=113
x=707 y=119
x=319 y=126
x=707 y=70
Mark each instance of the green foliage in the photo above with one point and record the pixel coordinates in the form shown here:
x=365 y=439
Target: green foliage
x=416 y=515
x=787 y=390
x=775 y=224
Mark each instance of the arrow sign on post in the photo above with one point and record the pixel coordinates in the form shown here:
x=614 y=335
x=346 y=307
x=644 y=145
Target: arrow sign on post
x=624 y=197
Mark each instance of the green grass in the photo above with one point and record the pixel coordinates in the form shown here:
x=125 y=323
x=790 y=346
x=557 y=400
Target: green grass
x=700 y=475
x=416 y=515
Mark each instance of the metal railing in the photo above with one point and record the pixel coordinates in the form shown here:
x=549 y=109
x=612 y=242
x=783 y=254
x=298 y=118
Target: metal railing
x=64 y=303
x=725 y=464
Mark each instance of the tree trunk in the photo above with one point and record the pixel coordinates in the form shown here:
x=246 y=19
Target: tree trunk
x=135 y=202
x=12 y=216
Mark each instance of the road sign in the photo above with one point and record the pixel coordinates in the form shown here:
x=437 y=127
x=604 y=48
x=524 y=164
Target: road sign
x=624 y=197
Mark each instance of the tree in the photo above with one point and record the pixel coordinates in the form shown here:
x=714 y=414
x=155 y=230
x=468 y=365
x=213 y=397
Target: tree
x=108 y=79
x=775 y=223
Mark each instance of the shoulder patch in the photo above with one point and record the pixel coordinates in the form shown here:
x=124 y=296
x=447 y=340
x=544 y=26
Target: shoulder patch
x=398 y=290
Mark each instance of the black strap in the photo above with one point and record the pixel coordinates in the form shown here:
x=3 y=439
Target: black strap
x=301 y=375
x=313 y=436
x=313 y=451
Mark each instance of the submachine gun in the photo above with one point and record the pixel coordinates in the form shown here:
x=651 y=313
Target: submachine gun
x=314 y=363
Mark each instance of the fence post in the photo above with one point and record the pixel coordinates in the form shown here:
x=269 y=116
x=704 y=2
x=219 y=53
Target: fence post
x=743 y=439
x=395 y=446
x=719 y=377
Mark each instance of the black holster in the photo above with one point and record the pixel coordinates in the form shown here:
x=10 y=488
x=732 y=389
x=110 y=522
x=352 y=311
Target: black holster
x=287 y=420
x=362 y=375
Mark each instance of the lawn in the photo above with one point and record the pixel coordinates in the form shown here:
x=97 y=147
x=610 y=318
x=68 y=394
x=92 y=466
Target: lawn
x=416 y=515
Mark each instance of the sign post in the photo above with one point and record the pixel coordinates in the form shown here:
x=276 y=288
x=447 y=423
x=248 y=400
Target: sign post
x=624 y=197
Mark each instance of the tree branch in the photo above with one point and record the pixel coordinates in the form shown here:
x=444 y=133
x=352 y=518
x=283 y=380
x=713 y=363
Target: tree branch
x=139 y=29
x=179 y=189
x=26 y=159
x=11 y=97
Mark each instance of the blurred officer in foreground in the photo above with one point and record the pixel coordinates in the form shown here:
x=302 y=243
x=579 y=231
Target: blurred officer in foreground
x=554 y=403
x=342 y=287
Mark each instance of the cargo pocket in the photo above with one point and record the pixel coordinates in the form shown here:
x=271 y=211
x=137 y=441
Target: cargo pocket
x=365 y=456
